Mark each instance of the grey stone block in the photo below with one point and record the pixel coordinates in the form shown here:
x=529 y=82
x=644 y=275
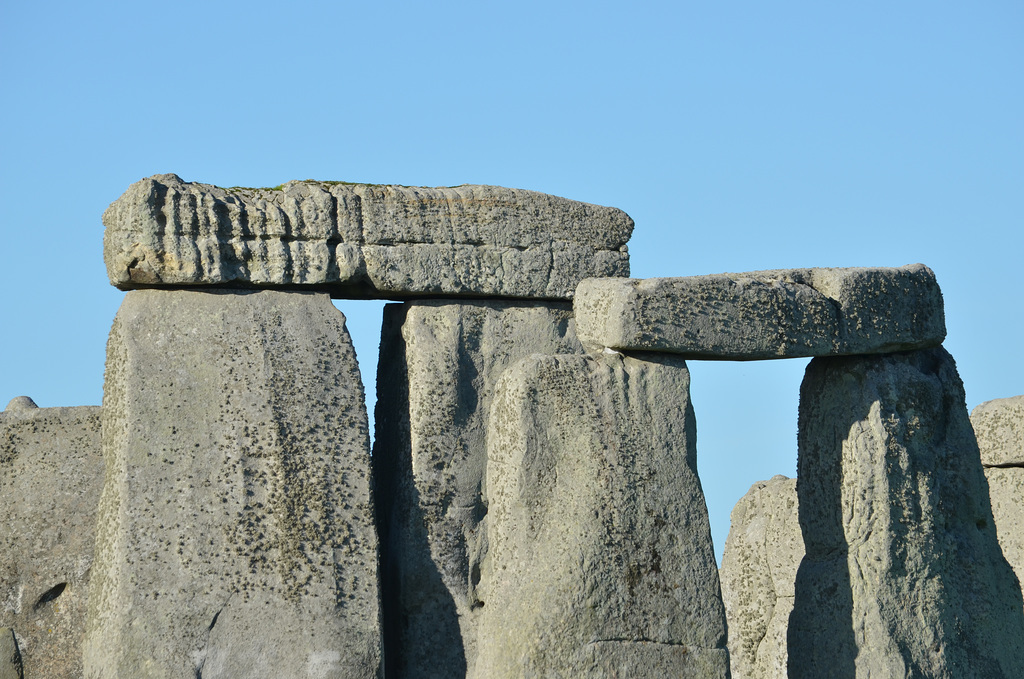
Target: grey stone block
x=898 y=529
x=439 y=365
x=999 y=426
x=759 y=566
x=1006 y=490
x=600 y=560
x=766 y=314
x=362 y=240
x=10 y=656
x=235 y=532
x=51 y=475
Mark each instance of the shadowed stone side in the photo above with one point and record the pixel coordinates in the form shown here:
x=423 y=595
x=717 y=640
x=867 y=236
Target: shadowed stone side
x=759 y=565
x=51 y=476
x=600 y=561
x=235 y=533
x=766 y=314
x=898 y=529
x=10 y=657
x=440 y=362
x=999 y=426
x=362 y=240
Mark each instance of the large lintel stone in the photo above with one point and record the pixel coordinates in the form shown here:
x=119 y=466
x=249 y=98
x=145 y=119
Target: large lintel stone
x=51 y=476
x=235 y=534
x=362 y=240
x=766 y=314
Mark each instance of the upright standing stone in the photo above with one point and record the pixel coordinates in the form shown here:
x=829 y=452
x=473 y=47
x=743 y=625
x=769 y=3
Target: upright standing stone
x=51 y=475
x=759 y=567
x=600 y=560
x=236 y=533
x=440 y=362
x=999 y=426
x=898 y=529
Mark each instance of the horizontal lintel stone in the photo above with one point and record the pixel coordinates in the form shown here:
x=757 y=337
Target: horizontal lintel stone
x=766 y=314
x=361 y=240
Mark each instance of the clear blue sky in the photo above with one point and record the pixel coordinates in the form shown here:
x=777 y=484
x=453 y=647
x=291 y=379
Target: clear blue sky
x=738 y=135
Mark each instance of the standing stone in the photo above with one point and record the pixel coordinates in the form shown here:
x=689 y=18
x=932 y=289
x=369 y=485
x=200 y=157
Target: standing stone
x=51 y=476
x=235 y=533
x=600 y=560
x=359 y=240
x=759 y=568
x=440 y=362
x=898 y=529
x=999 y=426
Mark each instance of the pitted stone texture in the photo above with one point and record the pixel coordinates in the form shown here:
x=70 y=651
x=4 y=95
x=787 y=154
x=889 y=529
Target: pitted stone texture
x=362 y=240
x=600 y=560
x=235 y=530
x=766 y=314
x=51 y=476
x=1006 y=490
x=440 y=362
x=759 y=565
x=10 y=657
x=897 y=528
x=999 y=426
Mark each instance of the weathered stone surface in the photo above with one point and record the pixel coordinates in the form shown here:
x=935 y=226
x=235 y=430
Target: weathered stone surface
x=1006 y=490
x=759 y=565
x=235 y=530
x=766 y=314
x=999 y=426
x=10 y=657
x=440 y=362
x=600 y=560
x=898 y=529
x=360 y=240
x=51 y=475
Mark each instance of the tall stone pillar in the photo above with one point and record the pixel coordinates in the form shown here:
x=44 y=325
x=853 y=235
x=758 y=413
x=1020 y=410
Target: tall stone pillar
x=600 y=561
x=903 y=576
x=235 y=530
x=440 y=363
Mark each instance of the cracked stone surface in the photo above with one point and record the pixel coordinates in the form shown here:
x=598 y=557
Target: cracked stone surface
x=440 y=364
x=765 y=314
x=759 y=566
x=235 y=531
x=898 y=529
x=362 y=240
x=999 y=426
x=51 y=475
x=600 y=561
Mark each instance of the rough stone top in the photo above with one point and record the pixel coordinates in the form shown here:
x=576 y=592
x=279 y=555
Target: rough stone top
x=765 y=314
x=361 y=240
x=999 y=426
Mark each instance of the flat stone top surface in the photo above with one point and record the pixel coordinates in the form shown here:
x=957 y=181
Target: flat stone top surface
x=361 y=240
x=999 y=426
x=766 y=314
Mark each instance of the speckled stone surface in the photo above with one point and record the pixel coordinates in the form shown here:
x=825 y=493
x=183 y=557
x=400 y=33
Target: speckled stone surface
x=759 y=565
x=235 y=531
x=440 y=363
x=10 y=656
x=362 y=240
x=766 y=314
x=600 y=561
x=898 y=529
x=51 y=475
x=999 y=426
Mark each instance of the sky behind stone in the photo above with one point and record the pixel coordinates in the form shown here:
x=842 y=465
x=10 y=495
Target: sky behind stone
x=739 y=136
